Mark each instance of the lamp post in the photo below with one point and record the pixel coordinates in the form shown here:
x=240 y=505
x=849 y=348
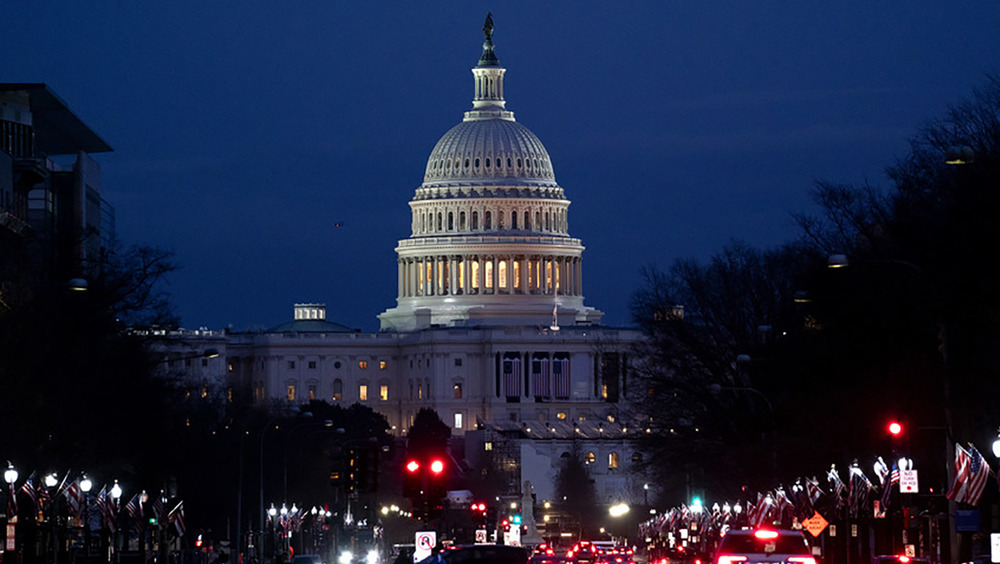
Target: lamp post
x=116 y=496
x=10 y=476
x=85 y=487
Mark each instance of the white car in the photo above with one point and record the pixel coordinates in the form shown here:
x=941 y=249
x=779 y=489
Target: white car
x=758 y=546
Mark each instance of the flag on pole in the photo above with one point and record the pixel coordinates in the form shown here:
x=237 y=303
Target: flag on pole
x=979 y=473
x=837 y=487
x=29 y=490
x=813 y=490
x=881 y=471
x=176 y=517
x=962 y=460
x=160 y=510
x=887 y=487
x=134 y=508
x=74 y=498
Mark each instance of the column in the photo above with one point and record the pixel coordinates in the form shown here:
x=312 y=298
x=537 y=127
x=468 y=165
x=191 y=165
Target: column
x=525 y=289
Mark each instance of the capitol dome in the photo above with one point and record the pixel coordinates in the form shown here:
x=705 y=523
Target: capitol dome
x=492 y=150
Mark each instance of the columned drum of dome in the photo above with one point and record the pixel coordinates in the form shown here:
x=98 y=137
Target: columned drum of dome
x=489 y=238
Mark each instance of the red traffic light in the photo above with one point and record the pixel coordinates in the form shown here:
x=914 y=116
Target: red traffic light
x=895 y=428
x=437 y=466
x=412 y=466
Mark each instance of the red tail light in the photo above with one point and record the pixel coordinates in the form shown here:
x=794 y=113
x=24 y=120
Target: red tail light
x=802 y=559
x=724 y=559
x=764 y=534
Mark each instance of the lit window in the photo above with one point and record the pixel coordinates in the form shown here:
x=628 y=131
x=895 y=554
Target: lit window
x=290 y=392
x=420 y=391
x=561 y=416
x=613 y=460
x=204 y=392
x=502 y=274
x=229 y=367
x=338 y=390
x=382 y=364
x=312 y=393
x=363 y=392
x=363 y=364
x=488 y=445
x=589 y=458
x=458 y=420
x=604 y=391
x=383 y=392
x=458 y=390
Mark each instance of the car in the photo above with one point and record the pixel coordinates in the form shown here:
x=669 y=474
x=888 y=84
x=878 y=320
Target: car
x=307 y=559
x=551 y=559
x=480 y=554
x=764 y=545
x=583 y=552
x=899 y=559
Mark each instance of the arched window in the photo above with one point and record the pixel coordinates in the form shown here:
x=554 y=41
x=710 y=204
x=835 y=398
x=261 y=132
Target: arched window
x=338 y=390
x=488 y=221
x=440 y=217
x=461 y=221
x=475 y=221
x=527 y=220
x=589 y=458
x=451 y=221
x=613 y=460
x=636 y=457
x=513 y=220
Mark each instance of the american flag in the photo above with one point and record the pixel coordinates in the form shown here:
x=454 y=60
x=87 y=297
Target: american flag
x=176 y=518
x=29 y=490
x=134 y=508
x=560 y=373
x=160 y=510
x=74 y=498
x=541 y=379
x=858 y=491
x=101 y=501
x=837 y=486
x=881 y=470
x=887 y=487
x=110 y=512
x=962 y=460
x=979 y=473
x=813 y=490
x=511 y=377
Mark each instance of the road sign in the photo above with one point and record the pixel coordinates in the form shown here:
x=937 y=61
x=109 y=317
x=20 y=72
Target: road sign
x=994 y=547
x=815 y=524
x=480 y=536
x=908 y=482
x=423 y=544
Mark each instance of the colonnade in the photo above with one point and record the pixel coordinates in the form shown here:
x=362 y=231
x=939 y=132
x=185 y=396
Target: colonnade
x=441 y=275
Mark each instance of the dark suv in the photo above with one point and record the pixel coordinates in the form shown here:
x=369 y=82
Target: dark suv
x=764 y=546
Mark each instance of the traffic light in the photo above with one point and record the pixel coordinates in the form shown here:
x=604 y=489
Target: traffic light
x=895 y=428
x=412 y=478
x=437 y=480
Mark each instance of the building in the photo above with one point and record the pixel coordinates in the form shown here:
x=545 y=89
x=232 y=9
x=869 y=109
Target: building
x=54 y=225
x=490 y=328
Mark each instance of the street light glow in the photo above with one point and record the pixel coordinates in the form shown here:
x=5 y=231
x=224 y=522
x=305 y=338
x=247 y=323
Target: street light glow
x=618 y=509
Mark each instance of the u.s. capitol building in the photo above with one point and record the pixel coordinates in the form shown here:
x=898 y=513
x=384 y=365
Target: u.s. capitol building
x=489 y=327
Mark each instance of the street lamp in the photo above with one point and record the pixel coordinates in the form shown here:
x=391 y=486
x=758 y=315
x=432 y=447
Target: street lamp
x=116 y=496
x=85 y=487
x=10 y=476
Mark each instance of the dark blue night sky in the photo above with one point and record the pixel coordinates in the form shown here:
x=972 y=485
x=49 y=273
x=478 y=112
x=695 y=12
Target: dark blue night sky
x=245 y=131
